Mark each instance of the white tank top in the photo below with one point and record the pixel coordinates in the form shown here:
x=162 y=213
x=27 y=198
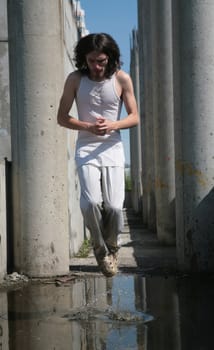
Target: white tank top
x=98 y=99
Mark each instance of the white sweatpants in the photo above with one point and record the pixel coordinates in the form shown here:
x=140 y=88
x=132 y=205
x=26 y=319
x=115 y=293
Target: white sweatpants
x=101 y=202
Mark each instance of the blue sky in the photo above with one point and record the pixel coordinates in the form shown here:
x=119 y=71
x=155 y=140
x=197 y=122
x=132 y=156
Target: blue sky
x=117 y=18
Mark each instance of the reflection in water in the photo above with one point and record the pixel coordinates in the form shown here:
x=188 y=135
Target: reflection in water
x=4 y=340
x=95 y=313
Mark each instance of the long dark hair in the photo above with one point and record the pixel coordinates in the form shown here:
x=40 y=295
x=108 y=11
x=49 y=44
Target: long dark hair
x=100 y=42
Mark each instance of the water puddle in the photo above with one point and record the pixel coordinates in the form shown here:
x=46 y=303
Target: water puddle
x=122 y=313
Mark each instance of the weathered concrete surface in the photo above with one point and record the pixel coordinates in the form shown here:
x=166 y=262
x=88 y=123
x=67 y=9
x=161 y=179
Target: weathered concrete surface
x=5 y=143
x=146 y=108
x=162 y=90
x=194 y=133
x=39 y=167
x=135 y=133
x=140 y=251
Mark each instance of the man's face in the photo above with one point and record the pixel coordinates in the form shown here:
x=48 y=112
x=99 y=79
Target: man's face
x=97 y=63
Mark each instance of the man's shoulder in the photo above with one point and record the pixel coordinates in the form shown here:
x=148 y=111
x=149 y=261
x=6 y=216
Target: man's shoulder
x=73 y=80
x=122 y=77
x=74 y=76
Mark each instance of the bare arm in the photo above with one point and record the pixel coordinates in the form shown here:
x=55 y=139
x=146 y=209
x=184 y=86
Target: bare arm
x=66 y=102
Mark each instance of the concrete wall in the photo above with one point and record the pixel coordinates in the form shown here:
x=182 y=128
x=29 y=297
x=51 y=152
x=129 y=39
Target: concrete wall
x=76 y=225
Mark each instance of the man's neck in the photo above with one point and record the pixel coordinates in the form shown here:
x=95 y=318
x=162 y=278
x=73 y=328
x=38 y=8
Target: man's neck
x=96 y=77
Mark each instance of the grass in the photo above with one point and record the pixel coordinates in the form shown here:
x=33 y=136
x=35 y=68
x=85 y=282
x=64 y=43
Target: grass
x=128 y=183
x=84 y=249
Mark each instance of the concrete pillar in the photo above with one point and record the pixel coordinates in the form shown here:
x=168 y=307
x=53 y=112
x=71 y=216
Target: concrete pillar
x=163 y=115
x=5 y=149
x=141 y=106
x=4 y=71
x=194 y=133
x=135 y=133
x=148 y=171
x=38 y=143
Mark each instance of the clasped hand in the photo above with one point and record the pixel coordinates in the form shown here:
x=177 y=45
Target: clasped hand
x=102 y=126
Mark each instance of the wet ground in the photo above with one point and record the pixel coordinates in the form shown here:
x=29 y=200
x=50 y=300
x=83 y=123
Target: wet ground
x=147 y=306
x=95 y=313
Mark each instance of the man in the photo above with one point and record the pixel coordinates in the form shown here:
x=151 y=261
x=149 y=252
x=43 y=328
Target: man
x=99 y=87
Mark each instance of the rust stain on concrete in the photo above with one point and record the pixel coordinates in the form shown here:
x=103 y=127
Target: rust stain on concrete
x=160 y=184
x=187 y=168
